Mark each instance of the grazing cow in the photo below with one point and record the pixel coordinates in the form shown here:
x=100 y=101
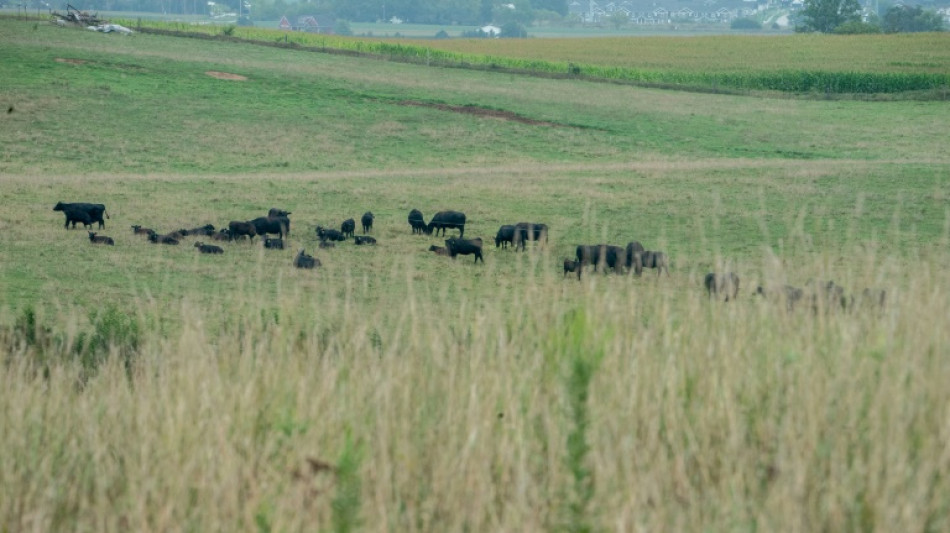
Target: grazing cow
x=364 y=240
x=274 y=244
x=206 y=230
x=208 y=248
x=791 y=295
x=573 y=265
x=83 y=212
x=276 y=225
x=329 y=234
x=439 y=250
x=416 y=221
x=95 y=239
x=367 y=221
x=458 y=246
x=648 y=259
x=326 y=244
x=604 y=256
x=588 y=255
x=224 y=234
x=873 y=299
x=238 y=229
x=632 y=248
x=727 y=284
x=447 y=219
x=529 y=231
x=348 y=227
x=139 y=230
x=305 y=260
x=155 y=238
x=826 y=295
x=505 y=236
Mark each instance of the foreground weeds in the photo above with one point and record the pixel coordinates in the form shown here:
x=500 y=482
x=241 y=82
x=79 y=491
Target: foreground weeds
x=609 y=404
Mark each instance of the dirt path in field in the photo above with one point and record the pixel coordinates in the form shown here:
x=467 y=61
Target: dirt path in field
x=483 y=112
x=226 y=75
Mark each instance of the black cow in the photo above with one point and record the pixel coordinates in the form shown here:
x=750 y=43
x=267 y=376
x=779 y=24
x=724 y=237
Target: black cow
x=277 y=225
x=828 y=295
x=329 y=234
x=791 y=295
x=529 y=231
x=367 y=221
x=348 y=227
x=82 y=212
x=155 y=238
x=274 y=244
x=95 y=239
x=305 y=260
x=362 y=239
x=650 y=259
x=238 y=229
x=224 y=234
x=416 y=221
x=505 y=236
x=458 y=246
x=445 y=220
x=206 y=230
x=602 y=255
x=273 y=212
x=208 y=248
x=573 y=265
x=439 y=250
x=633 y=247
x=727 y=284
x=139 y=230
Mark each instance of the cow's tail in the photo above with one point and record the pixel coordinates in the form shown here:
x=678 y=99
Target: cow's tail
x=106 y=213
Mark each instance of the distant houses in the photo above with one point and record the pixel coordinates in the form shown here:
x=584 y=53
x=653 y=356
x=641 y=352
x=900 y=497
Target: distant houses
x=309 y=23
x=663 y=11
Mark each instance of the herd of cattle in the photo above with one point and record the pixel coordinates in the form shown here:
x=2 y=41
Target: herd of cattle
x=631 y=258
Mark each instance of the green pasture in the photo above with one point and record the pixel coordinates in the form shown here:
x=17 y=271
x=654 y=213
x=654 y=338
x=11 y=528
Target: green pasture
x=137 y=123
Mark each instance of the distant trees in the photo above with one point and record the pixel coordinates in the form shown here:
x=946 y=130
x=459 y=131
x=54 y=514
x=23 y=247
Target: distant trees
x=901 y=18
x=826 y=15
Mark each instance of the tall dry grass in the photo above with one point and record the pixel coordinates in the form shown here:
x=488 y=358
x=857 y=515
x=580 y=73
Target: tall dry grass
x=545 y=404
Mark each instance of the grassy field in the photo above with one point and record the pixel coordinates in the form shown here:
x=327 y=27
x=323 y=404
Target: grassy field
x=871 y=66
x=151 y=387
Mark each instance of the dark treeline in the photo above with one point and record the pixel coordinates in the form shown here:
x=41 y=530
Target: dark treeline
x=466 y=12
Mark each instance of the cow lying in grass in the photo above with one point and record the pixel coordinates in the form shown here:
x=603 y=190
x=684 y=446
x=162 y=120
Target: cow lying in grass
x=96 y=239
x=305 y=260
x=208 y=248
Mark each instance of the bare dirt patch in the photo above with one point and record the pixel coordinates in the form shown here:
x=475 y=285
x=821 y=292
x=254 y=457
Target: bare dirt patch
x=482 y=112
x=71 y=61
x=226 y=75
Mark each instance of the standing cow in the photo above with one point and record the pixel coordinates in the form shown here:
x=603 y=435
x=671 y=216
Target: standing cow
x=416 y=222
x=457 y=246
x=83 y=212
x=719 y=284
x=529 y=231
x=348 y=227
x=445 y=220
x=367 y=221
x=505 y=236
